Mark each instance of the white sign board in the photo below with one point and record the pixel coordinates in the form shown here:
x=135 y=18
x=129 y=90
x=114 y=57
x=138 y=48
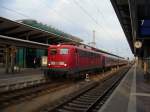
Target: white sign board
x=44 y=60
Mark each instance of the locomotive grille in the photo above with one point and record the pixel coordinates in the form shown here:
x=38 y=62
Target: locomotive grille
x=57 y=63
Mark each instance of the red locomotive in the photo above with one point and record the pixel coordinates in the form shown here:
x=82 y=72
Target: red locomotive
x=74 y=61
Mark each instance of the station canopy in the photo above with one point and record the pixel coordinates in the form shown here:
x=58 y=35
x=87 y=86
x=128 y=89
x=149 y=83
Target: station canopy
x=134 y=16
x=12 y=31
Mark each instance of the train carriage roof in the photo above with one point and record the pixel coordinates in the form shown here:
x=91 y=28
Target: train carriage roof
x=90 y=49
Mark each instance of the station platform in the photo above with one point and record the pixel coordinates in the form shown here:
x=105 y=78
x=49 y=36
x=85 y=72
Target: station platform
x=22 y=72
x=132 y=94
x=26 y=77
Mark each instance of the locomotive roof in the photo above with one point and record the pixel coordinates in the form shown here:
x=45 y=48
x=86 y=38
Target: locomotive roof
x=87 y=49
x=72 y=46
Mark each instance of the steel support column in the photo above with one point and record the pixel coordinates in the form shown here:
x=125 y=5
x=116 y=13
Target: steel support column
x=12 y=58
x=7 y=59
x=133 y=18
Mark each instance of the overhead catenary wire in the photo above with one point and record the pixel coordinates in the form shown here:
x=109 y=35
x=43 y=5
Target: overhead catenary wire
x=66 y=18
x=104 y=18
x=54 y=11
x=15 y=11
x=27 y=16
x=12 y=10
x=105 y=21
x=91 y=17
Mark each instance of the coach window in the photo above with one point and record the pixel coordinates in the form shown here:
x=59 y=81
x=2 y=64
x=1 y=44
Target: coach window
x=64 y=51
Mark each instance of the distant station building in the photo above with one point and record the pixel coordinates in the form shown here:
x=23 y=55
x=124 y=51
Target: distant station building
x=25 y=41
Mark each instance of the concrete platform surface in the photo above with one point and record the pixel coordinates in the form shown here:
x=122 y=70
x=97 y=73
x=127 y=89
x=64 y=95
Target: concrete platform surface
x=22 y=79
x=22 y=72
x=132 y=94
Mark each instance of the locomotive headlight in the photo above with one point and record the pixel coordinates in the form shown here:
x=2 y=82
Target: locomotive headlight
x=49 y=64
x=58 y=45
x=65 y=65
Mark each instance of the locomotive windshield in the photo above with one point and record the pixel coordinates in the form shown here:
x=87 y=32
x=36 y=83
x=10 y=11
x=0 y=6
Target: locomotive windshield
x=64 y=51
x=53 y=51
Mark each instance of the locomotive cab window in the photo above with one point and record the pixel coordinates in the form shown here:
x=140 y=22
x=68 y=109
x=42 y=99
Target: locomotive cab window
x=64 y=51
x=53 y=51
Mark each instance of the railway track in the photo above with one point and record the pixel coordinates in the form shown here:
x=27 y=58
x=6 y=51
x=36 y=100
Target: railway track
x=90 y=99
x=16 y=96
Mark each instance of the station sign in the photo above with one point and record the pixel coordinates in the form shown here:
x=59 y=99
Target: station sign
x=144 y=28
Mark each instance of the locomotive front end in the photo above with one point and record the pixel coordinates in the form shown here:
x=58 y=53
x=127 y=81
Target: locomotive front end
x=58 y=60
